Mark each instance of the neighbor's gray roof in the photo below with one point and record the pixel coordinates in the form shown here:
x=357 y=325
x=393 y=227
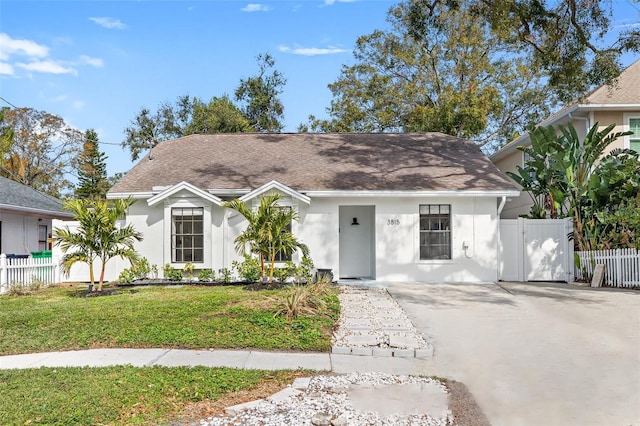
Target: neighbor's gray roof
x=318 y=162
x=18 y=197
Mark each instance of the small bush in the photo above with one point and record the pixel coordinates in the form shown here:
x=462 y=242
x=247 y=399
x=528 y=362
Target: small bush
x=304 y=272
x=249 y=269
x=283 y=274
x=138 y=271
x=206 y=275
x=301 y=300
x=172 y=273
x=188 y=270
x=226 y=275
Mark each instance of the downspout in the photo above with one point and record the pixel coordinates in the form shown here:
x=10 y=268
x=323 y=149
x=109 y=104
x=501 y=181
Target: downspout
x=587 y=122
x=503 y=201
x=499 y=256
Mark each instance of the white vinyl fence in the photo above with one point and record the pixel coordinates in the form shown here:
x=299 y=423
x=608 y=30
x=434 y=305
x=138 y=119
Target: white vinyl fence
x=622 y=266
x=24 y=272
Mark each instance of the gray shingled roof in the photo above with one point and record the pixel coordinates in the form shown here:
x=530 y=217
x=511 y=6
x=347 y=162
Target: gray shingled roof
x=16 y=196
x=320 y=162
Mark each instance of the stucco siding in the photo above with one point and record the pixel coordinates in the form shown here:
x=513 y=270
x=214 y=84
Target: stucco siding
x=396 y=239
x=20 y=233
x=520 y=205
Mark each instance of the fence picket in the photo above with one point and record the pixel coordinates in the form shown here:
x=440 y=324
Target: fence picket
x=24 y=272
x=622 y=266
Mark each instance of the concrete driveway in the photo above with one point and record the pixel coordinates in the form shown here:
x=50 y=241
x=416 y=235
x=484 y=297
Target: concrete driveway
x=535 y=354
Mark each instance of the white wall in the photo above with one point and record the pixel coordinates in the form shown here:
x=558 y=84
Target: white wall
x=474 y=220
x=397 y=245
x=20 y=233
x=79 y=272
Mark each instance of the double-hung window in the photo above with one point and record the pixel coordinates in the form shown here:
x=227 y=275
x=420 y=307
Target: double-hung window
x=187 y=234
x=435 y=231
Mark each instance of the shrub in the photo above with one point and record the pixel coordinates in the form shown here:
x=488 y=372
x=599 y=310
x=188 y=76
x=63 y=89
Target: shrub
x=249 y=269
x=206 y=275
x=303 y=300
x=304 y=271
x=188 y=270
x=138 y=271
x=172 y=273
x=283 y=274
x=226 y=275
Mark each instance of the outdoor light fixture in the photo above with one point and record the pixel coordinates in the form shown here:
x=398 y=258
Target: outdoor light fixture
x=355 y=221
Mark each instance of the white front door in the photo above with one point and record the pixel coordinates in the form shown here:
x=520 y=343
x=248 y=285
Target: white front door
x=357 y=241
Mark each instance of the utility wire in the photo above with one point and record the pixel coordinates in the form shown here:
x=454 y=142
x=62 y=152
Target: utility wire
x=99 y=142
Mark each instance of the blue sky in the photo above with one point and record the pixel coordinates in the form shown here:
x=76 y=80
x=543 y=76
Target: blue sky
x=96 y=63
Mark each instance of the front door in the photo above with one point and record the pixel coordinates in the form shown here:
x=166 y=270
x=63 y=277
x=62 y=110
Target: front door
x=357 y=241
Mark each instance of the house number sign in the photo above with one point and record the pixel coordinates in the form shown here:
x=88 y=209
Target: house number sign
x=393 y=222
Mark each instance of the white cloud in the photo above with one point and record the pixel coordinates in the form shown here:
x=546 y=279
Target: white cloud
x=78 y=104
x=331 y=2
x=6 y=69
x=312 y=51
x=256 y=7
x=109 y=23
x=11 y=46
x=634 y=25
x=48 y=66
x=94 y=62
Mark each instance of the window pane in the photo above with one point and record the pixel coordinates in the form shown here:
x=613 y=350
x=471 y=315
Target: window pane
x=435 y=231
x=634 y=126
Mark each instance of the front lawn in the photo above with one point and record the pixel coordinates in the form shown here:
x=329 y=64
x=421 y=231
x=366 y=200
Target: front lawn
x=127 y=395
x=180 y=316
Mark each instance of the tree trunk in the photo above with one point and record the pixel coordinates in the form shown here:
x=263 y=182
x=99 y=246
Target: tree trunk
x=91 y=276
x=101 y=276
x=273 y=265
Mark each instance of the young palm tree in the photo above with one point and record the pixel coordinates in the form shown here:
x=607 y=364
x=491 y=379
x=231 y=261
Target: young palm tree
x=98 y=235
x=281 y=240
x=267 y=231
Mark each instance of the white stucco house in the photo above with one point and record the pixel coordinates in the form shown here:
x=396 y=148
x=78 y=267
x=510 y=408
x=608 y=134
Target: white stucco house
x=26 y=218
x=389 y=207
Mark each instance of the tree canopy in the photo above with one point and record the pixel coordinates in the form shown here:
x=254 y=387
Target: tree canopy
x=439 y=70
x=564 y=38
x=487 y=70
x=259 y=109
x=38 y=149
x=259 y=96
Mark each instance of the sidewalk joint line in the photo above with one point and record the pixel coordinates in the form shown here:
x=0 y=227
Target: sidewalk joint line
x=158 y=358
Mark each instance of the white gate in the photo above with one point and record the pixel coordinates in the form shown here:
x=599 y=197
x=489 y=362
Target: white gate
x=535 y=250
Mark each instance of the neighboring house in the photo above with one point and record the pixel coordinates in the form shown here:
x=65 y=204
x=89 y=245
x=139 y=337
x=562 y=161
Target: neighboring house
x=619 y=105
x=401 y=207
x=25 y=218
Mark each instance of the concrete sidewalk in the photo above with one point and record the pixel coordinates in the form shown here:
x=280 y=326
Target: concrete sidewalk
x=245 y=359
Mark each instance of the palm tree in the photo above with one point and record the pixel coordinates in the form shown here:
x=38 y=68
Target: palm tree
x=98 y=235
x=281 y=240
x=267 y=231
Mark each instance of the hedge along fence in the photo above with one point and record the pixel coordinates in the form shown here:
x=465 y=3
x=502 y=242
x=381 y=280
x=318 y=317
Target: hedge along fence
x=622 y=266
x=23 y=272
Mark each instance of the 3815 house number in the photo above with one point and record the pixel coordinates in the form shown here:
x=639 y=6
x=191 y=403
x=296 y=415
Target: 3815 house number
x=393 y=222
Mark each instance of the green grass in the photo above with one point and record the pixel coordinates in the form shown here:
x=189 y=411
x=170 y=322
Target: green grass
x=184 y=317
x=118 y=395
